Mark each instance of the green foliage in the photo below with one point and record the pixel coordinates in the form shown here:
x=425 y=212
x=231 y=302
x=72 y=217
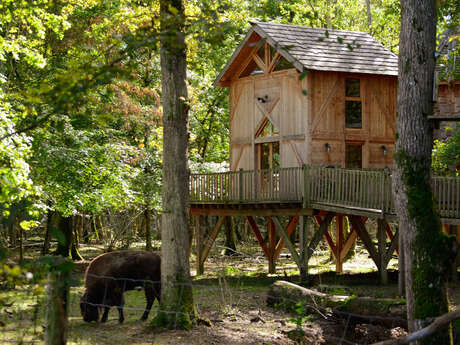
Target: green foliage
x=446 y=155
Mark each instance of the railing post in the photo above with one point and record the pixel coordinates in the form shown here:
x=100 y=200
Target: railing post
x=385 y=195
x=306 y=185
x=241 y=184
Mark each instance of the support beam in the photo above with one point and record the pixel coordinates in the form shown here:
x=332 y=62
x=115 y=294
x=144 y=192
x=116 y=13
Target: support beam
x=256 y=231
x=360 y=228
x=324 y=225
x=211 y=239
x=271 y=246
x=339 y=243
x=287 y=241
x=382 y=252
x=289 y=229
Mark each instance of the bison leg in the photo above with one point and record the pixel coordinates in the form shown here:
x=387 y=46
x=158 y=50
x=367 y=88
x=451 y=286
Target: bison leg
x=121 y=318
x=106 y=314
x=150 y=297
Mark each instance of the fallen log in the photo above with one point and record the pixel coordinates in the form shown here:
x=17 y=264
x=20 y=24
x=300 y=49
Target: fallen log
x=391 y=312
x=438 y=323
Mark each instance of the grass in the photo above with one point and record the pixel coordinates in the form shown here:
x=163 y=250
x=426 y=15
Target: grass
x=231 y=291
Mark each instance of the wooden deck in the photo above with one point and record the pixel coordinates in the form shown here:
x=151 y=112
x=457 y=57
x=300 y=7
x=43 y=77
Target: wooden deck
x=322 y=193
x=349 y=191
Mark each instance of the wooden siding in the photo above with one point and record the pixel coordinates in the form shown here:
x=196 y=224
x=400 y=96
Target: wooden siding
x=286 y=108
x=448 y=100
x=327 y=120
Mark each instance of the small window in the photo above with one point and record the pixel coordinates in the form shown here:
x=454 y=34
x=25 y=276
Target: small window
x=353 y=114
x=353 y=104
x=268 y=130
x=352 y=87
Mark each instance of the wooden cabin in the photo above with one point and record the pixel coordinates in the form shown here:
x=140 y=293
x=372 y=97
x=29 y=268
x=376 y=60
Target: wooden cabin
x=301 y=95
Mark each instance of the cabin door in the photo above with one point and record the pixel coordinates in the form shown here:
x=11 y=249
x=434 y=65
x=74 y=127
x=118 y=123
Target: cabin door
x=354 y=156
x=268 y=163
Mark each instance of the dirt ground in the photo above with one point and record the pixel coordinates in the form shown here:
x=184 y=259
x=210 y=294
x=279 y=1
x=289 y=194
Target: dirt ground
x=232 y=295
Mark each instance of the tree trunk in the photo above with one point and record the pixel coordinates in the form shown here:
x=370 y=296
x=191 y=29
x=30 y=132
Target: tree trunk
x=230 y=237
x=177 y=308
x=426 y=249
x=64 y=236
x=74 y=251
x=148 y=232
x=369 y=13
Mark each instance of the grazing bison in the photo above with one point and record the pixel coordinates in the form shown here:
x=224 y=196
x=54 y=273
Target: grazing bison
x=109 y=275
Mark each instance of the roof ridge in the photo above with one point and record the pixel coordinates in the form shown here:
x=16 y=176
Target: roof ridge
x=255 y=22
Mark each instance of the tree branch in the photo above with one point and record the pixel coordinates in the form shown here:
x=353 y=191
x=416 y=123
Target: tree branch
x=438 y=323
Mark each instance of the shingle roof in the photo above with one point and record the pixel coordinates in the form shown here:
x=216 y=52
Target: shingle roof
x=324 y=49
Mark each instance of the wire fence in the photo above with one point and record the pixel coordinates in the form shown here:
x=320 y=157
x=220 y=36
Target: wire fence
x=238 y=312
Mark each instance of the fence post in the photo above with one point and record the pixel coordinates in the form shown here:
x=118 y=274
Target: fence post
x=306 y=185
x=57 y=302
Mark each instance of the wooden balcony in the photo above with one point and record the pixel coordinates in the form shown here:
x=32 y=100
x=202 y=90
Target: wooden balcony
x=348 y=191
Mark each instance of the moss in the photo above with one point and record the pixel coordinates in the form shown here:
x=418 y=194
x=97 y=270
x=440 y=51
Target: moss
x=431 y=248
x=177 y=310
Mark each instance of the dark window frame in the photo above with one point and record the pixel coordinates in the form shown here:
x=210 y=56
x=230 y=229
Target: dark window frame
x=353 y=101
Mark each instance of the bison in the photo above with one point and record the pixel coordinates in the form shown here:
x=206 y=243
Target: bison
x=109 y=275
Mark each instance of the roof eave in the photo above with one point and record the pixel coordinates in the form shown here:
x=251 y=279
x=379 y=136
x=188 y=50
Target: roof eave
x=218 y=81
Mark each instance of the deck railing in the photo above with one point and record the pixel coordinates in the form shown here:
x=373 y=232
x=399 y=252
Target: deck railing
x=315 y=187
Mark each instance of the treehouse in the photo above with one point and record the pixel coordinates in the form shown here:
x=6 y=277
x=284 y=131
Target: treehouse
x=312 y=128
x=300 y=95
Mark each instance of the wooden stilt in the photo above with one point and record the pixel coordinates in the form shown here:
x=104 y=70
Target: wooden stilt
x=289 y=229
x=271 y=246
x=256 y=231
x=207 y=245
x=303 y=236
x=381 y=238
x=339 y=243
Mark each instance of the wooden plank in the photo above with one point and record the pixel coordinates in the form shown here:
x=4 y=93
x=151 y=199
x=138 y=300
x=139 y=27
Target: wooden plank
x=318 y=235
x=393 y=247
x=331 y=244
x=339 y=243
x=296 y=153
x=360 y=228
x=211 y=239
x=351 y=239
x=287 y=242
x=260 y=239
x=271 y=245
x=325 y=104
x=289 y=229
x=250 y=211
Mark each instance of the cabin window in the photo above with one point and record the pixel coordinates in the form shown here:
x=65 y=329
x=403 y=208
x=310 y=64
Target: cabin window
x=354 y=156
x=353 y=104
x=268 y=155
x=268 y=130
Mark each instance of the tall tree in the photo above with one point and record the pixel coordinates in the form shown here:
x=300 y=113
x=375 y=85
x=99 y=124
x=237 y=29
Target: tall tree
x=177 y=309
x=426 y=249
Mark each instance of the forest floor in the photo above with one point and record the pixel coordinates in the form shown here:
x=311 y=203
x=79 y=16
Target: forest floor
x=232 y=295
